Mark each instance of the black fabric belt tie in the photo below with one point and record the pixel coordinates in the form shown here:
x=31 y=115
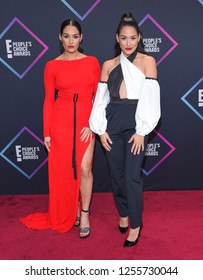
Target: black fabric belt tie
x=75 y=99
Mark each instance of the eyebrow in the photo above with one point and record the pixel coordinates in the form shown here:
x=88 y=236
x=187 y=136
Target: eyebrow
x=70 y=34
x=129 y=36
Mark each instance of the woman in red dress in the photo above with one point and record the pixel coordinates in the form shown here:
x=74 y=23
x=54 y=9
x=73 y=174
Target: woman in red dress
x=67 y=136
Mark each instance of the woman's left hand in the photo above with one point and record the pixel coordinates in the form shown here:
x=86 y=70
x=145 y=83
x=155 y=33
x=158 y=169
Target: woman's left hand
x=86 y=134
x=138 y=143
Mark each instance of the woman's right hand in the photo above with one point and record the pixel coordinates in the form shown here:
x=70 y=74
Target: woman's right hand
x=47 y=143
x=106 y=140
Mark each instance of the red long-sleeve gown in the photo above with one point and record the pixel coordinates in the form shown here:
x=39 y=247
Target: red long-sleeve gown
x=67 y=77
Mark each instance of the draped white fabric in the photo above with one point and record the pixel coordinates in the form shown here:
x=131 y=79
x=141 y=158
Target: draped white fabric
x=97 y=120
x=147 y=91
x=148 y=108
x=133 y=77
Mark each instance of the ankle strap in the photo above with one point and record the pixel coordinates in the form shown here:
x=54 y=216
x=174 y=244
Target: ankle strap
x=86 y=211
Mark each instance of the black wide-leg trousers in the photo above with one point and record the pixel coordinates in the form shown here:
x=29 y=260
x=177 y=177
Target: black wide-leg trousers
x=124 y=166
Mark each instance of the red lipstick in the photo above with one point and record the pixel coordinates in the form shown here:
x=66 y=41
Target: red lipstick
x=70 y=47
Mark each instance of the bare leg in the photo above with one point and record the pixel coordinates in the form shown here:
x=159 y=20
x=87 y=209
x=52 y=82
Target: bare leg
x=86 y=185
x=77 y=222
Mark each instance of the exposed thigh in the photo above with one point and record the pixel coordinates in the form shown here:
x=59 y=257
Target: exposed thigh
x=88 y=155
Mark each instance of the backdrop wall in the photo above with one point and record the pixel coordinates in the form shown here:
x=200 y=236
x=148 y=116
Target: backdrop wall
x=172 y=33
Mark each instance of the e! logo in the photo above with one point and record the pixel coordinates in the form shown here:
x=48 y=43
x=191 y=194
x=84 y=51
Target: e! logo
x=9 y=48
x=18 y=152
x=200 y=98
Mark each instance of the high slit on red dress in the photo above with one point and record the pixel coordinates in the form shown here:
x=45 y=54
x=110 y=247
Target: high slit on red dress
x=67 y=77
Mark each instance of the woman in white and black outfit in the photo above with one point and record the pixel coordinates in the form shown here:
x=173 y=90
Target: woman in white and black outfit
x=125 y=110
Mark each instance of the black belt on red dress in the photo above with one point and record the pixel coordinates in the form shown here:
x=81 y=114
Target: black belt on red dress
x=75 y=99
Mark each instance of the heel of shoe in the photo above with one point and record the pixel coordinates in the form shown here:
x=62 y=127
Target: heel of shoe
x=123 y=229
x=129 y=243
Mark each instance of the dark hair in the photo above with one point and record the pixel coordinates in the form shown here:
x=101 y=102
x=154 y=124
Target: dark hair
x=71 y=22
x=128 y=20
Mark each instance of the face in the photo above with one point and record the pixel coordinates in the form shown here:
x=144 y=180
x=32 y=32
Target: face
x=70 y=39
x=128 y=39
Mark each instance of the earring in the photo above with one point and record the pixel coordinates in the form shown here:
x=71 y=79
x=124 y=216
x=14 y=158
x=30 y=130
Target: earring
x=80 y=47
x=61 y=47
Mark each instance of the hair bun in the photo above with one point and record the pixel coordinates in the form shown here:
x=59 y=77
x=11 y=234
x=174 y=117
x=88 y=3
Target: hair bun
x=127 y=17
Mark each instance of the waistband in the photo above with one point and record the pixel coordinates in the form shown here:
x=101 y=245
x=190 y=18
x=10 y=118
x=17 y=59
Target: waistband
x=71 y=99
x=124 y=101
x=68 y=96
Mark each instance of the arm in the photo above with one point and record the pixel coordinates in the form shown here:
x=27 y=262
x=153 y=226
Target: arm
x=104 y=138
x=97 y=75
x=86 y=132
x=97 y=118
x=148 y=108
x=98 y=121
x=48 y=102
x=150 y=67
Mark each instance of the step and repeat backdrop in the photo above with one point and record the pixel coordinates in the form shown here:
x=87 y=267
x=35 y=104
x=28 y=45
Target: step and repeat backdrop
x=172 y=33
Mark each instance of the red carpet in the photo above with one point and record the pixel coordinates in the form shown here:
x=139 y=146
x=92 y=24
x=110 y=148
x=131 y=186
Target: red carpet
x=172 y=230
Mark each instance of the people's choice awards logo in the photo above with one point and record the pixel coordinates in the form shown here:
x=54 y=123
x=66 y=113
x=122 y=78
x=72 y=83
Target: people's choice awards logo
x=152 y=149
x=157 y=151
x=20 y=48
x=156 y=40
x=193 y=98
x=152 y=45
x=81 y=8
x=25 y=152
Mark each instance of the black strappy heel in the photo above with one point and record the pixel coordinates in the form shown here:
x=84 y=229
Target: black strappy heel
x=85 y=230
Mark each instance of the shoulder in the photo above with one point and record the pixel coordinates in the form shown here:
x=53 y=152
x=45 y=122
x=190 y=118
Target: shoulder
x=50 y=69
x=109 y=64
x=51 y=61
x=148 y=59
x=50 y=64
x=150 y=66
x=92 y=58
x=147 y=64
x=107 y=67
x=93 y=61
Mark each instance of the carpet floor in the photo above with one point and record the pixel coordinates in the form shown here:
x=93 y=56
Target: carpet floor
x=172 y=230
